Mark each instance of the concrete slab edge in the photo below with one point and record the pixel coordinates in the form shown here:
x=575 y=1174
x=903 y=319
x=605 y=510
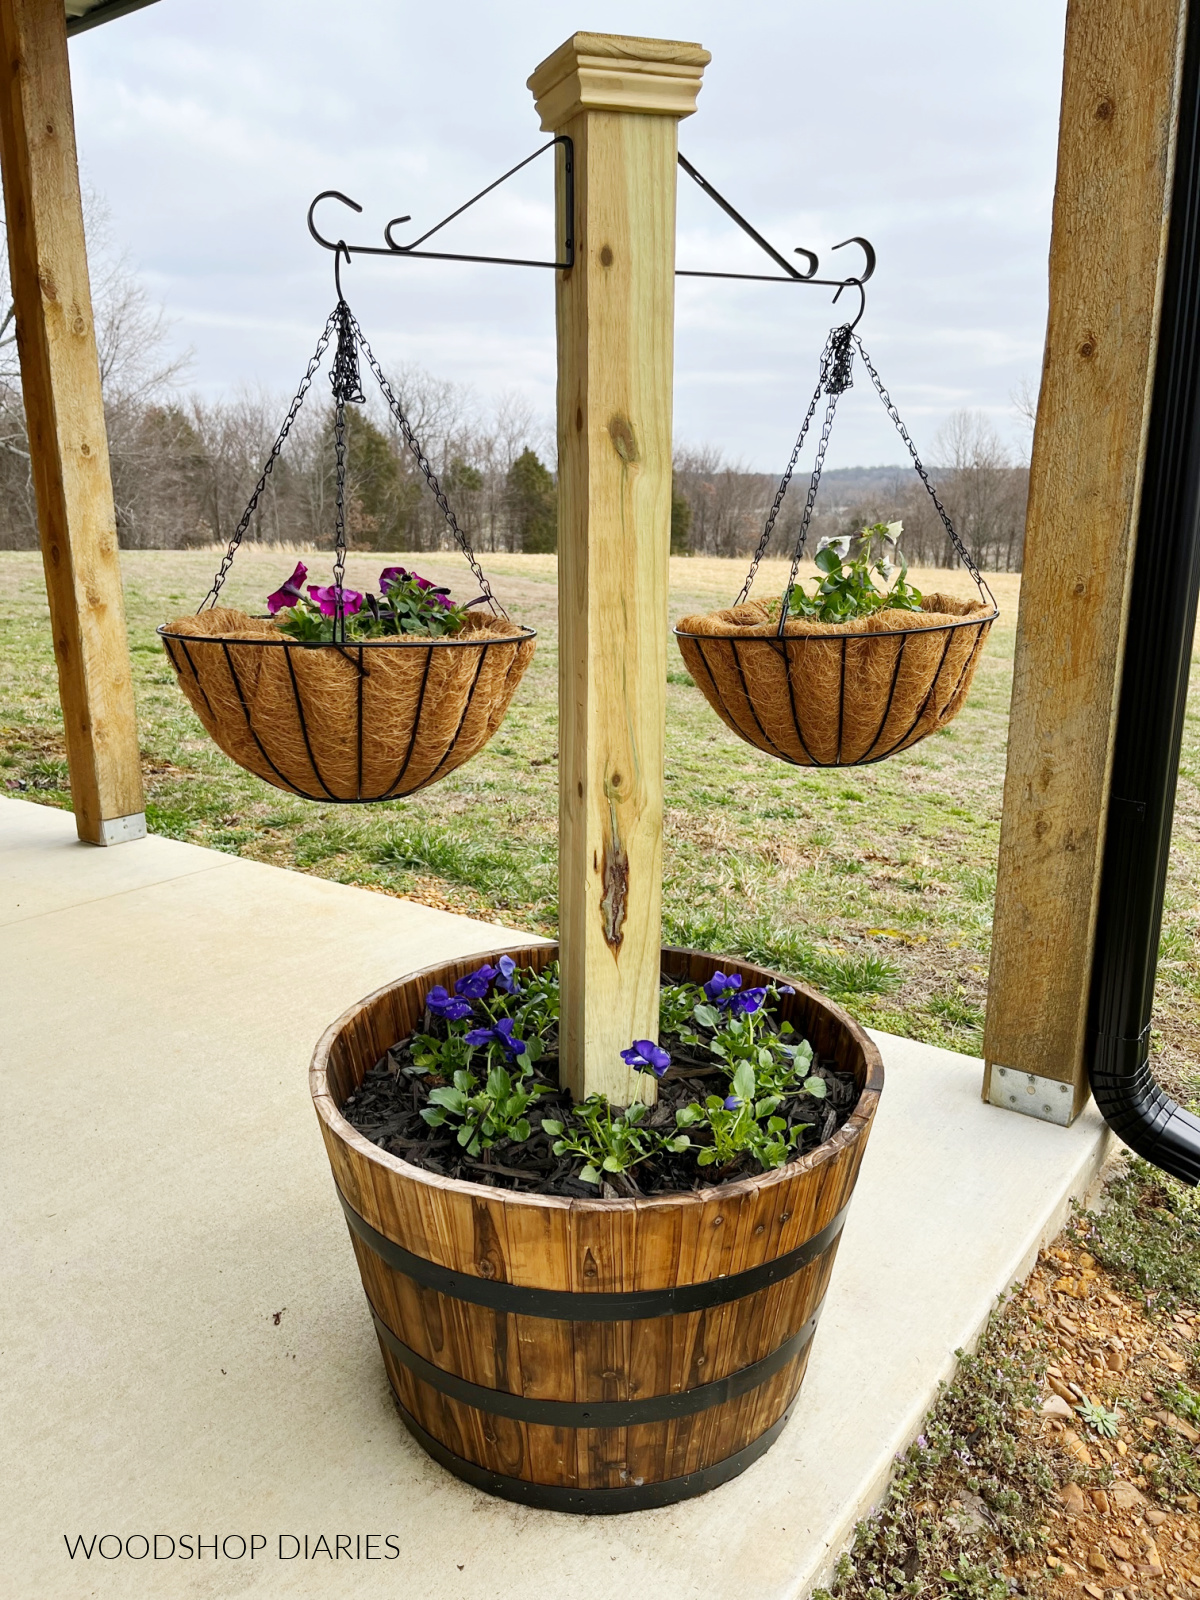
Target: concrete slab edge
x=1081 y=1185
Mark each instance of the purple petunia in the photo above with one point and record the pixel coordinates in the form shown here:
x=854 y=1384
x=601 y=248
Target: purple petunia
x=442 y=1004
x=391 y=575
x=476 y=984
x=647 y=1057
x=502 y=1033
x=289 y=593
x=326 y=596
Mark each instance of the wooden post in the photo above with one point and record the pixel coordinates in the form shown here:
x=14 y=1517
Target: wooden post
x=619 y=100
x=68 y=445
x=1119 y=109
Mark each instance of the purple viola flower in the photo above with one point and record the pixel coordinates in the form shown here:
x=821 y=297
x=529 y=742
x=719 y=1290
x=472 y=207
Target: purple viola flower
x=732 y=1102
x=647 y=1057
x=786 y=988
x=289 y=593
x=502 y=1033
x=720 y=989
x=749 y=1001
x=505 y=975
x=442 y=1004
x=476 y=984
x=326 y=596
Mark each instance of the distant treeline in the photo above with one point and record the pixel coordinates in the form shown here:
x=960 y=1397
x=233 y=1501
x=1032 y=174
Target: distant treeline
x=184 y=469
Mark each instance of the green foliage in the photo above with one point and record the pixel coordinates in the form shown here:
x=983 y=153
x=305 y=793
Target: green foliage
x=740 y=1124
x=608 y=1140
x=1149 y=1234
x=1184 y=1401
x=846 y=588
x=681 y=523
x=533 y=504
x=379 y=498
x=484 y=1115
x=1102 y=1421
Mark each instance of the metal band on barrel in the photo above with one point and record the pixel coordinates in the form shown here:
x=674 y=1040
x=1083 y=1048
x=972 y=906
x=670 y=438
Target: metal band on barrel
x=565 y=1305
x=598 y=1413
x=594 y=1502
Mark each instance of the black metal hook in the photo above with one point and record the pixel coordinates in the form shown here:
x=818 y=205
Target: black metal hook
x=854 y=283
x=868 y=250
x=791 y=274
x=392 y=246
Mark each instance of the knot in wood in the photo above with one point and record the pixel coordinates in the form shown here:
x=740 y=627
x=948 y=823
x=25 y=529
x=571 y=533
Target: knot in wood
x=620 y=431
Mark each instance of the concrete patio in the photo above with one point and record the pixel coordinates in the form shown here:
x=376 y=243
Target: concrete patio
x=188 y=1352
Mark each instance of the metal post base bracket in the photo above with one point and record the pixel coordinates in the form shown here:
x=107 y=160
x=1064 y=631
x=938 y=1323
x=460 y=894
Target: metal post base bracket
x=1047 y=1099
x=120 y=830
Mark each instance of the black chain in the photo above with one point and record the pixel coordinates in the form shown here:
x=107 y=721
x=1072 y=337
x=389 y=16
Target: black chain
x=347 y=389
x=769 y=525
x=890 y=408
x=210 y=598
x=426 y=470
x=837 y=361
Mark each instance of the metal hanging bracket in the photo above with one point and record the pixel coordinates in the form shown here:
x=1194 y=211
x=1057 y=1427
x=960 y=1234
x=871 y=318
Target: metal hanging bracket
x=790 y=273
x=391 y=247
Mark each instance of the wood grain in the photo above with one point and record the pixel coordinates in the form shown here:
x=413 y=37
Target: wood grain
x=60 y=376
x=615 y=312
x=546 y=1242
x=1106 y=262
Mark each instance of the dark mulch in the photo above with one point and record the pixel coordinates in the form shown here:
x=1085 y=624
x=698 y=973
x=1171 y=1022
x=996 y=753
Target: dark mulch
x=386 y=1108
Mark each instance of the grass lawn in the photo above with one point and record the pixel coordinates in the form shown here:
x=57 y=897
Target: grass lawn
x=873 y=883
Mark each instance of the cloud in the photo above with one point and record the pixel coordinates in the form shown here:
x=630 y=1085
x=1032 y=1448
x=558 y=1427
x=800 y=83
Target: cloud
x=208 y=125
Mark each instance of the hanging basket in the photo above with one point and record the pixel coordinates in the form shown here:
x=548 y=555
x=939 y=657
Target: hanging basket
x=347 y=719
x=369 y=720
x=838 y=694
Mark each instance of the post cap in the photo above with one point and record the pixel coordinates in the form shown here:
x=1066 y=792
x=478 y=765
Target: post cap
x=609 y=72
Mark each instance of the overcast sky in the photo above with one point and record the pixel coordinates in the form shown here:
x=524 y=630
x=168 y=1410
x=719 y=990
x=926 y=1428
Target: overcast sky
x=929 y=126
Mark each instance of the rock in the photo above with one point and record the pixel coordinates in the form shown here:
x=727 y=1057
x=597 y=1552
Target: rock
x=1155 y=1517
x=1061 y=1390
x=1124 y=1496
x=1074 y=1446
x=1120 y=1549
x=1096 y=1559
x=1190 y=1503
x=1056 y=1406
x=1094 y=1590
x=1185 y=1429
x=1116 y=1361
x=1150 y=1462
x=1072 y=1498
x=970 y=1516
x=1100 y=1501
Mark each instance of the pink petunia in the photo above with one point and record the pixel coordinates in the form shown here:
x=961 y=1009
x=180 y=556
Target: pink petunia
x=326 y=596
x=289 y=593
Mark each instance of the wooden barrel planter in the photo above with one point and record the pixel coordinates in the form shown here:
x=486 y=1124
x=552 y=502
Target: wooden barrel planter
x=353 y=723
x=591 y=1355
x=837 y=694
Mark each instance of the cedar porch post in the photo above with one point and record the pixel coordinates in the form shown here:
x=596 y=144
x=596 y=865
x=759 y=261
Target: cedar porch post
x=68 y=445
x=1115 y=161
x=620 y=101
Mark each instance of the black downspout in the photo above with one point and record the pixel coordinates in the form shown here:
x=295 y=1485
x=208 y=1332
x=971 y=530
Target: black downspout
x=1153 y=697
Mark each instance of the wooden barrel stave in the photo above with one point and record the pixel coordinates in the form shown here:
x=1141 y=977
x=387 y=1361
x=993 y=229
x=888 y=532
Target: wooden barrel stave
x=521 y=1304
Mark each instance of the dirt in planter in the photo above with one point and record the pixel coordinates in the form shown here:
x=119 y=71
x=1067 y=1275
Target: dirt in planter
x=386 y=1108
